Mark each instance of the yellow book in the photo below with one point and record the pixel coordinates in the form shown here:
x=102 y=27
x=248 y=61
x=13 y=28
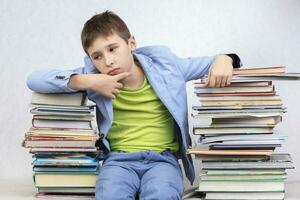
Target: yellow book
x=65 y=180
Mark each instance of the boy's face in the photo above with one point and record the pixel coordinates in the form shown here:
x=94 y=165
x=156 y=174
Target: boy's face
x=112 y=55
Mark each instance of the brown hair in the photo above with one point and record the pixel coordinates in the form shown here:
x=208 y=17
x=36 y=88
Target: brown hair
x=103 y=24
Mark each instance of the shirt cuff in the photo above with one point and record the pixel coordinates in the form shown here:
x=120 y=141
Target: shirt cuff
x=236 y=61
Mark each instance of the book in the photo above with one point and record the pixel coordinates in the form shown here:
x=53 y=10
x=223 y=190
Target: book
x=243 y=146
x=242 y=138
x=83 y=193
x=66 y=169
x=241 y=98
x=272 y=93
x=245 y=110
x=240 y=104
x=204 y=177
x=60 y=132
x=248 y=165
x=65 y=180
x=242 y=186
x=231 y=130
x=233 y=172
x=230 y=158
x=240 y=83
x=203 y=151
x=233 y=89
x=231 y=108
x=62 y=111
x=58 y=117
x=271 y=121
x=61 y=124
x=259 y=70
x=39 y=150
x=59 y=144
x=271 y=77
x=67 y=99
x=234 y=114
x=239 y=101
x=245 y=195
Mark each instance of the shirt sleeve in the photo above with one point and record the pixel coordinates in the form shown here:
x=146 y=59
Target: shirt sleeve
x=197 y=67
x=56 y=80
x=52 y=80
x=194 y=67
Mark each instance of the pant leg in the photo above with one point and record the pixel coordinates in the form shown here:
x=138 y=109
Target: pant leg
x=116 y=181
x=163 y=180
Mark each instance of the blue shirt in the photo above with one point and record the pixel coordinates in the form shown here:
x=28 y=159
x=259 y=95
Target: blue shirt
x=166 y=73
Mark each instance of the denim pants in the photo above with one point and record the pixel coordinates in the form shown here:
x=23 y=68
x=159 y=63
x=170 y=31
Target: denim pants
x=140 y=175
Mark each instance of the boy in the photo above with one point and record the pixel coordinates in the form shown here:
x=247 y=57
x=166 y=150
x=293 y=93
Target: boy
x=141 y=107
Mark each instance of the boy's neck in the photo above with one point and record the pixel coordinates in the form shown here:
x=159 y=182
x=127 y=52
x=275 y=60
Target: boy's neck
x=136 y=79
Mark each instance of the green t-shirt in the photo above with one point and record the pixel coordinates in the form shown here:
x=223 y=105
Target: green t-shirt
x=141 y=122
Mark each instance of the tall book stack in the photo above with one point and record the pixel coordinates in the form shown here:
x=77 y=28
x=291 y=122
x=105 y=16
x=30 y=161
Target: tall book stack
x=63 y=143
x=237 y=139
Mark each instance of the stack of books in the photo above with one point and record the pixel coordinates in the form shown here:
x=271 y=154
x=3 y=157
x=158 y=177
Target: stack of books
x=236 y=142
x=63 y=140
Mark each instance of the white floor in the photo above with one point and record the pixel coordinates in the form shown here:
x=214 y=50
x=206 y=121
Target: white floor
x=17 y=190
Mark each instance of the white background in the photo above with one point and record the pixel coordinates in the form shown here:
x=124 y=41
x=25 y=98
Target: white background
x=46 y=34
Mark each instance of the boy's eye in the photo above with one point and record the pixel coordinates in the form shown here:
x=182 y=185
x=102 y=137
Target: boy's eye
x=112 y=49
x=97 y=57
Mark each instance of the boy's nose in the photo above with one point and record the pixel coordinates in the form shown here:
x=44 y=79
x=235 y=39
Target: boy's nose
x=109 y=62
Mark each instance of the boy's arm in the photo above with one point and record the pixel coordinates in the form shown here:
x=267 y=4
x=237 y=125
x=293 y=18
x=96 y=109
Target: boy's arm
x=103 y=84
x=52 y=80
x=82 y=78
x=218 y=67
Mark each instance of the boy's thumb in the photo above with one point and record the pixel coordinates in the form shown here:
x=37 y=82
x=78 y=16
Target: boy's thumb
x=122 y=75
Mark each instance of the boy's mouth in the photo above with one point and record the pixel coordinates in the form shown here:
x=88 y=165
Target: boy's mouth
x=113 y=72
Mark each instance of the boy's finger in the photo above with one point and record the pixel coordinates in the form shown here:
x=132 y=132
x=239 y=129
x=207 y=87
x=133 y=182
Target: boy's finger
x=212 y=81
x=229 y=80
x=121 y=76
x=116 y=91
x=207 y=80
x=112 y=96
x=218 y=81
x=224 y=81
x=119 y=85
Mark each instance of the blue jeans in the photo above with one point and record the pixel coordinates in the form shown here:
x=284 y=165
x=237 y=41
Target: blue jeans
x=147 y=175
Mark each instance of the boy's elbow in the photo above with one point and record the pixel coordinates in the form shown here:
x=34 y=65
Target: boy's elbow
x=34 y=82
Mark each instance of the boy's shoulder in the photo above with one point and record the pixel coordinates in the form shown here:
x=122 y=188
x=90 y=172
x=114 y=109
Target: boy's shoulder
x=155 y=51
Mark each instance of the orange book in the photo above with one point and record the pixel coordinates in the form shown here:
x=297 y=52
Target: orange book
x=229 y=152
x=238 y=94
x=259 y=70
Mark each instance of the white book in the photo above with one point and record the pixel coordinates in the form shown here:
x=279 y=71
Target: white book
x=245 y=195
x=61 y=124
x=206 y=90
x=55 y=149
x=205 y=177
x=244 y=172
x=259 y=137
x=67 y=99
x=238 y=130
x=241 y=98
x=241 y=186
x=52 y=144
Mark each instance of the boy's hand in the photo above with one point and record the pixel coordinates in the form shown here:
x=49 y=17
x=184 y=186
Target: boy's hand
x=220 y=73
x=103 y=84
x=107 y=85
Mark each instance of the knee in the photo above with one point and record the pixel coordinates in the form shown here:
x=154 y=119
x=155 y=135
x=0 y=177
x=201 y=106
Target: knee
x=160 y=192
x=114 y=190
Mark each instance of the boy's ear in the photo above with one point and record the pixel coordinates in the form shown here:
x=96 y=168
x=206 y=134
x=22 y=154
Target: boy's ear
x=132 y=43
